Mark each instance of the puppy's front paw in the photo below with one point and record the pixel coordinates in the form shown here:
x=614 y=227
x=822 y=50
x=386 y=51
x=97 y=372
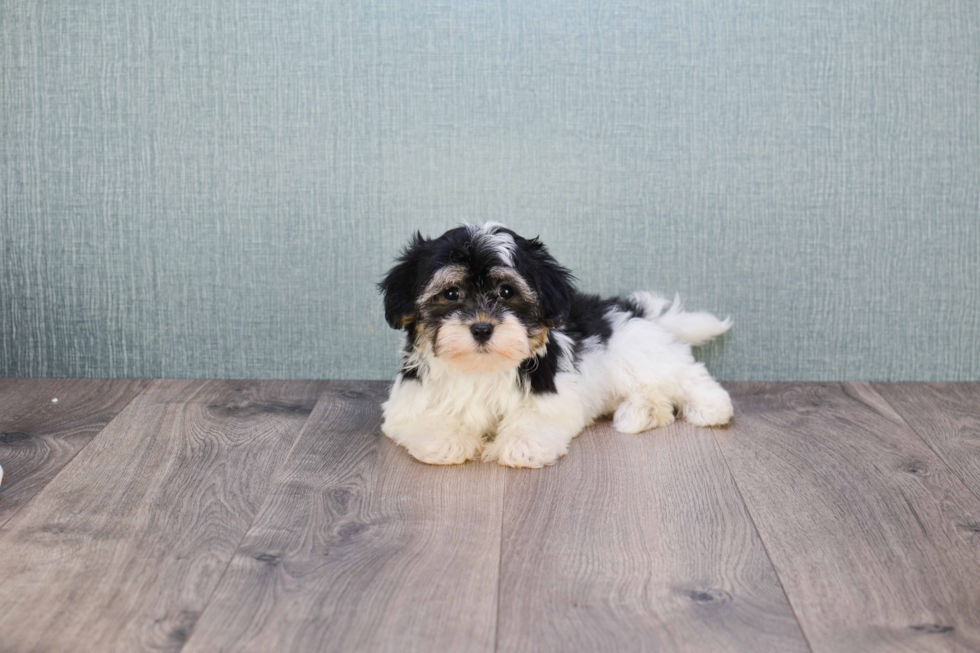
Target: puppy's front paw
x=522 y=451
x=443 y=451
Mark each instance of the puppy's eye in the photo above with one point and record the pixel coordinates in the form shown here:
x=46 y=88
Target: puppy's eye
x=506 y=292
x=451 y=294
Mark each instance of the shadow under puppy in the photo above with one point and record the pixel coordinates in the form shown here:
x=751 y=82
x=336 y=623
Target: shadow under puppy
x=504 y=359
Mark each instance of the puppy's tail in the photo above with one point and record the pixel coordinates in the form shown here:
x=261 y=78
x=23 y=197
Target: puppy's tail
x=692 y=328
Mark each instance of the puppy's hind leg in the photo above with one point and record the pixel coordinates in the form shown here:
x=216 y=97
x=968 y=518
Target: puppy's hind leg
x=645 y=409
x=706 y=403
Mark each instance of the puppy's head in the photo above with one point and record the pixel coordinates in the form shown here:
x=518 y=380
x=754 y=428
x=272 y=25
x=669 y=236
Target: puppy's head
x=481 y=298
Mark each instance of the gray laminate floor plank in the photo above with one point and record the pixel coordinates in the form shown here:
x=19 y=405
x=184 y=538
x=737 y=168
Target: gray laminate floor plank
x=869 y=531
x=39 y=436
x=361 y=548
x=122 y=550
x=947 y=417
x=637 y=543
x=628 y=543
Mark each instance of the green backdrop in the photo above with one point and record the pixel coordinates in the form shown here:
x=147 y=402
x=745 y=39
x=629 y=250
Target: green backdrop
x=211 y=189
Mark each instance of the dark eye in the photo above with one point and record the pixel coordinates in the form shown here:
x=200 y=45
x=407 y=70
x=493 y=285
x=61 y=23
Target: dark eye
x=452 y=294
x=506 y=292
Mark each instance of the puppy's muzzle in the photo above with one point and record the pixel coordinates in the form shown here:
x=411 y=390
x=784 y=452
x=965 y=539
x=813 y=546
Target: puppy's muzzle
x=481 y=331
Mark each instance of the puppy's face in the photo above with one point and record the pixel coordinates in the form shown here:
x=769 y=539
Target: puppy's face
x=480 y=298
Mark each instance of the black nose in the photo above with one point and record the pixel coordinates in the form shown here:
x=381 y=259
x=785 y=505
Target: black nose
x=481 y=331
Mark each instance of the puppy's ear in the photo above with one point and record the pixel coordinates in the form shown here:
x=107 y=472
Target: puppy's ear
x=403 y=282
x=552 y=282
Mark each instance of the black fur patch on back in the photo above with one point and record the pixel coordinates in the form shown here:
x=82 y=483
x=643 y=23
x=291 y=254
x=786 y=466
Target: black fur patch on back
x=586 y=319
x=589 y=316
x=628 y=305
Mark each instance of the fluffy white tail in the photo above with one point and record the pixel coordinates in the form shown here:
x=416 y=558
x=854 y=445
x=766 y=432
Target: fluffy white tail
x=692 y=328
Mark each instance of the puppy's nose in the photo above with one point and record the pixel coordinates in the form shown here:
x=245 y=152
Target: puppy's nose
x=481 y=331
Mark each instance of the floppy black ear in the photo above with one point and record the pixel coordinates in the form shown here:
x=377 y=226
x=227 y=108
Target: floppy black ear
x=403 y=282
x=552 y=281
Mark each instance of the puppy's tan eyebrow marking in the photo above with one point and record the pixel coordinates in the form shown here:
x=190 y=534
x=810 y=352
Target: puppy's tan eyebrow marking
x=451 y=275
x=511 y=276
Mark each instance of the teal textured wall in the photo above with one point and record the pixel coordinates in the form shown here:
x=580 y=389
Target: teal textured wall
x=211 y=189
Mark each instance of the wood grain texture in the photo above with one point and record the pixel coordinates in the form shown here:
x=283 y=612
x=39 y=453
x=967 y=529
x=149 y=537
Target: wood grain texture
x=122 y=551
x=361 y=548
x=947 y=417
x=637 y=543
x=873 y=537
x=38 y=436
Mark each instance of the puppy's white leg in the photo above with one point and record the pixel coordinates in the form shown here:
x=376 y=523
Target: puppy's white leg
x=436 y=440
x=431 y=437
x=643 y=410
x=706 y=403
x=537 y=435
x=530 y=442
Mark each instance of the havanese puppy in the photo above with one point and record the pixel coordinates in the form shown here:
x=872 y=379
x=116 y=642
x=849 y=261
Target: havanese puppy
x=506 y=360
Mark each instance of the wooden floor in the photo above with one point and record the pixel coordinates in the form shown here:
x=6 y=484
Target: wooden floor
x=274 y=516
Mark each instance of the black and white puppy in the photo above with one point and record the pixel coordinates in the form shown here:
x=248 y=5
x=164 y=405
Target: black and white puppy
x=504 y=359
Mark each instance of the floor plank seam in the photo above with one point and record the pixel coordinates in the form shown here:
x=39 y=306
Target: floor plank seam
x=939 y=454
x=500 y=562
x=758 y=533
x=74 y=456
x=265 y=500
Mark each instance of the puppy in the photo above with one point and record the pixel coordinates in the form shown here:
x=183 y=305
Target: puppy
x=505 y=360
